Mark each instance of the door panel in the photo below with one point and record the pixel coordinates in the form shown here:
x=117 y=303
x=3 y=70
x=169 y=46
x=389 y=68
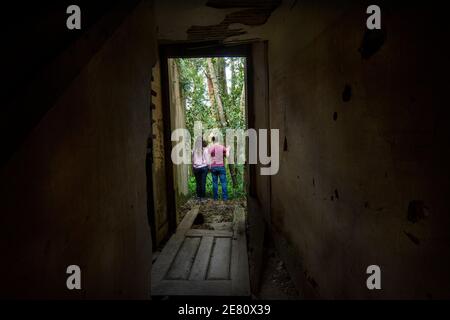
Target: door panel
x=203 y=262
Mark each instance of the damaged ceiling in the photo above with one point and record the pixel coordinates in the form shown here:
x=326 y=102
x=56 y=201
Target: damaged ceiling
x=213 y=20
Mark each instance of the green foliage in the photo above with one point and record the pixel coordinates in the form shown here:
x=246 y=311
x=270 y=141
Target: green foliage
x=237 y=193
x=235 y=117
x=194 y=89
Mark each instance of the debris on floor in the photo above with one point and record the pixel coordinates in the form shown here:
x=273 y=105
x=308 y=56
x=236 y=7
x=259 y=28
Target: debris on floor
x=276 y=283
x=212 y=215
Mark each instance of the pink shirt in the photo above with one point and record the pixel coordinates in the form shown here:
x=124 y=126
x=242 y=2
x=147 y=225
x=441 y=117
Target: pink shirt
x=219 y=152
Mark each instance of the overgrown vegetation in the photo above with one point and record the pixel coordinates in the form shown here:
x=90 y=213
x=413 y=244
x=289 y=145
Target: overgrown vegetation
x=237 y=192
x=213 y=92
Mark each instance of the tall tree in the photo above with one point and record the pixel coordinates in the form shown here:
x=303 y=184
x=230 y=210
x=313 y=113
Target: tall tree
x=242 y=102
x=215 y=84
x=220 y=90
x=212 y=100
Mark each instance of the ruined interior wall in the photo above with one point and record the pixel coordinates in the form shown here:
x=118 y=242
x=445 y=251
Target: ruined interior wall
x=258 y=191
x=354 y=163
x=75 y=192
x=159 y=173
x=340 y=201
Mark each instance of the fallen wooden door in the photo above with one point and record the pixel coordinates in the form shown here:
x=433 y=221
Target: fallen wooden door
x=203 y=262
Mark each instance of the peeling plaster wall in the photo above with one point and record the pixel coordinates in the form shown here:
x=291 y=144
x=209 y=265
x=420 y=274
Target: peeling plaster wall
x=364 y=175
x=159 y=173
x=175 y=17
x=203 y=20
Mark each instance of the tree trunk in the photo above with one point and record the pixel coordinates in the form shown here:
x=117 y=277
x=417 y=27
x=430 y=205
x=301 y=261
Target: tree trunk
x=232 y=168
x=233 y=175
x=233 y=78
x=222 y=118
x=242 y=101
x=212 y=74
x=222 y=76
x=214 y=111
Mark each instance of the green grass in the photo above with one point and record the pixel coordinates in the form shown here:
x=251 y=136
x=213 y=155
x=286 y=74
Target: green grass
x=233 y=193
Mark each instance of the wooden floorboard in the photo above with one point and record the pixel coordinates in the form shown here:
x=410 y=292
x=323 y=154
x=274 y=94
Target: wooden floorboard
x=201 y=263
x=164 y=261
x=182 y=264
x=193 y=288
x=214 y=233
x=198 y=262
x=219 y=266
x=239 y=261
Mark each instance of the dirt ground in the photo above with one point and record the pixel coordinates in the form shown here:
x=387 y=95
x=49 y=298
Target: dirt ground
x=212 y=215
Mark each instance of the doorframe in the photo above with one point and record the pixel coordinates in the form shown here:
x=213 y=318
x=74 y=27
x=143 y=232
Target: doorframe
x=197 y=50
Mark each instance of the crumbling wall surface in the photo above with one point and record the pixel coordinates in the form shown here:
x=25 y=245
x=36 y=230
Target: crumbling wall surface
x=364 y=175
x=159 y=173
x=75 y=192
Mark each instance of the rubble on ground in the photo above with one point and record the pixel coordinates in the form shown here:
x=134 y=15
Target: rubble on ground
x=212 y=215
x=276 y=282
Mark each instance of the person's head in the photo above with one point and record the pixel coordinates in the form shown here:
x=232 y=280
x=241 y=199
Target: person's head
x=213 y=139
x=204 y=143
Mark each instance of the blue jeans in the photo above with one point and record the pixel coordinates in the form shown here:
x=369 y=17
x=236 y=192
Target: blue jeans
x=219 y=173
x=200 y=181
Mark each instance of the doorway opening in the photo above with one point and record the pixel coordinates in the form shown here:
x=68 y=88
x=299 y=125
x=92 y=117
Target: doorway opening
x=207 y=98
x=204 y=99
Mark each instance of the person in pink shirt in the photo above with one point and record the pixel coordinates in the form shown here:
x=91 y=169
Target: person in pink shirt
x=217 y=166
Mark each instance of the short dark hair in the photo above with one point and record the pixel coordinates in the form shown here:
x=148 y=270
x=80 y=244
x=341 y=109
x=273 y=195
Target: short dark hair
x=213 y=138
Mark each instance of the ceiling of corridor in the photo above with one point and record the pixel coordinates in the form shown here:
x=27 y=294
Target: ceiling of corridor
x=211 y=20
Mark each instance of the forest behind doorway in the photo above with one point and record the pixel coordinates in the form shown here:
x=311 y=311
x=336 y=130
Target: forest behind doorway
x=212 y=91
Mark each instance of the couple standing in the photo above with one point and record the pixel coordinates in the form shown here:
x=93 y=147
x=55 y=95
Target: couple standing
x=205 y=159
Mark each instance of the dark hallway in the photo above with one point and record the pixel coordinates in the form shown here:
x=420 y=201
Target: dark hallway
x=362 y=178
